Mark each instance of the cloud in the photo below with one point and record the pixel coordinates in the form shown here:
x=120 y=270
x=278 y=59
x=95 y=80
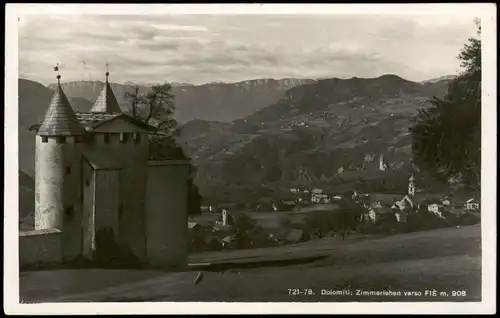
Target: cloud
x=198 y=49
x=169 y=27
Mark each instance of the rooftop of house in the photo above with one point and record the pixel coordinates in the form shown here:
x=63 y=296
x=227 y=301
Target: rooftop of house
x=386 y=198
x=88 y=121
x=192 y=225
x=389 y=198
x=91 y=119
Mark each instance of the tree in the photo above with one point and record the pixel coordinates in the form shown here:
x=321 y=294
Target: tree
x=244 y=222
x=349 y=216
x=155 y=107
x=134 y=100
x=446 y=137
x=195 y=198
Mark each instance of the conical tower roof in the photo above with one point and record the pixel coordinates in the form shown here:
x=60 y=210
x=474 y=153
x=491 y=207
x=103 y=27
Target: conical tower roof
x=60 y=120
x=106 y=101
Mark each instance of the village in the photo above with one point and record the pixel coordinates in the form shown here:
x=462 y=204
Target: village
x=281 y=222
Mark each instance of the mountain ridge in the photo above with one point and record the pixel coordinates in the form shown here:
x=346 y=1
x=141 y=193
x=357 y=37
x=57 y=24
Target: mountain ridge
x=328 y=133
x=220 y=101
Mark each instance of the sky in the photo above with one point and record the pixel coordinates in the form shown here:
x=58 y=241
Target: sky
x=199 y=49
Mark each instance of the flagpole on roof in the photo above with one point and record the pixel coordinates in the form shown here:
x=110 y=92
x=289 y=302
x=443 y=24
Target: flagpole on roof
x=56 y=69
x=107 y=70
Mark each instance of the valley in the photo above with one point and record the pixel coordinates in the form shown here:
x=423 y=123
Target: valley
x=329 y=133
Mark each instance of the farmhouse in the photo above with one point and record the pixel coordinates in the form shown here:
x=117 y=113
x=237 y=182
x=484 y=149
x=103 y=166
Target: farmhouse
x=471 y=204
x=94 y=177
x=320 y=198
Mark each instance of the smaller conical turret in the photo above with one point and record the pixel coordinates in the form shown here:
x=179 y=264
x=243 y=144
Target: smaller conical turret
x=106 y=101
x=60 y=120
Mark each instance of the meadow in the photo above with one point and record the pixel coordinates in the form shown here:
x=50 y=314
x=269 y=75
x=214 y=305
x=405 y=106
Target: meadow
x=447 y=260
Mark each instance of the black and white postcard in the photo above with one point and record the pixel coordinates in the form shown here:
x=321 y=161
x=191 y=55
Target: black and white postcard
x=250 y=158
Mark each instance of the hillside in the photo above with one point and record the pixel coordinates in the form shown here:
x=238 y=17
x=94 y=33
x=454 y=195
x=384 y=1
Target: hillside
x=34 y=99
x=215 y=101
x=439 y=79
x=331 y=133
x=445 y=260
x=218 y=100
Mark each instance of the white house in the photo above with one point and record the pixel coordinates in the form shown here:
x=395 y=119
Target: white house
x=371 y=215
x=405 y=203
x=471 y=204
x=434 y=208
x=320 y=198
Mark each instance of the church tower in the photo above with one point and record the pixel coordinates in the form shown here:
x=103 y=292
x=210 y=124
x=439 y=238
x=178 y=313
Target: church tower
x=411 y=186
x=57 y=164
x=382 y=166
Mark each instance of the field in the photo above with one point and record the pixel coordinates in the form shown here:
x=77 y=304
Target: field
x=447 y=260
x=271 y=220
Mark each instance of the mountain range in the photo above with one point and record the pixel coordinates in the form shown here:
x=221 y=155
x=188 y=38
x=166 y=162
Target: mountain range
x=249 y=139
x=214 y=101
x=331 y=133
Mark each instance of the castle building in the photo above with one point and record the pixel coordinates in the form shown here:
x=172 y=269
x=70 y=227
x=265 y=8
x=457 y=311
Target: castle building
x=93 y=175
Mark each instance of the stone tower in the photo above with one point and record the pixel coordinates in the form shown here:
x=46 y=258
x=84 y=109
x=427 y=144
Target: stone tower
x=57 y=166
x=411 y=186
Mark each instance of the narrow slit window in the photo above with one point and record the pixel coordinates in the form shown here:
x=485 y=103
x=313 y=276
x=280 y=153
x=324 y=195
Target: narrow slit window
x=45 y=139
x=87 y=182
x=106 y=138
x=68 y=169
x=137 y=138
x=123 y=137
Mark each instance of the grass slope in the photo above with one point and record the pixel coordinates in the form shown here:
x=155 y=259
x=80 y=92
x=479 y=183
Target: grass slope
x=446 y=260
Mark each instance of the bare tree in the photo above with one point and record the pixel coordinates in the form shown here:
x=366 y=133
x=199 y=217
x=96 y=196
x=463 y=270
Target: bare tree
x=135 y=100
x=155 y=107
